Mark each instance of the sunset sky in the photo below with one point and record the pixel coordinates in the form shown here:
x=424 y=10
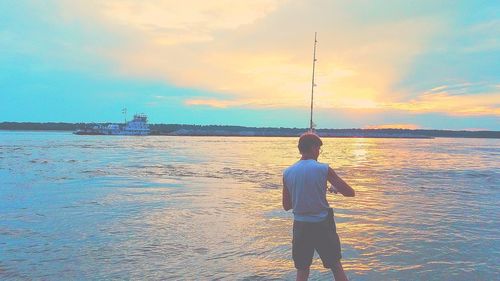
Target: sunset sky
x=403 y=64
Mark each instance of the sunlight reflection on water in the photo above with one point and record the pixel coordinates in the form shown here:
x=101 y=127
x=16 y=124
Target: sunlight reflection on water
x=90 y=207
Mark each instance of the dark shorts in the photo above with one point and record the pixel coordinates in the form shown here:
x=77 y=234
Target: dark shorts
x=320 y=236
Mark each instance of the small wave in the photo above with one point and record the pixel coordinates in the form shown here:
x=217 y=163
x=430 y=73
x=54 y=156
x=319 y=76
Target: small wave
x=97 y=172
x=264 y=178
x=270 y=185
x=41 y=161
x=201 y=251
x=224 y=255
x=10 y=274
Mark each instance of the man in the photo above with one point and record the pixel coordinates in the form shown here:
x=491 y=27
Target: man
x=304 y=191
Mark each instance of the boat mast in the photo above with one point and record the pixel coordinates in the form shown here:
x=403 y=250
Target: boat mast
x=311 y=124
x=124 y=111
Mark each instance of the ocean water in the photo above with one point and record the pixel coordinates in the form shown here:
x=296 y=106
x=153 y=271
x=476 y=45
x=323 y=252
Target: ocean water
x=209 y=208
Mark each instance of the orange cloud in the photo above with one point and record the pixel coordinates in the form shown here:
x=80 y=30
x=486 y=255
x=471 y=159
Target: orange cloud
x=441 y=102
x=460 y=105
x=209 y=102
x=242 y=49
x=173 y=22
x=260 y=55
x=394 y=126
x=248 y=103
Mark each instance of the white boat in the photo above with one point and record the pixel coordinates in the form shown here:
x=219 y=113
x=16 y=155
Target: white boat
x=137 y=127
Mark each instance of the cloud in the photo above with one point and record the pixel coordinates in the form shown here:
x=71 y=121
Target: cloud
x=464 y=105
x=258 y=54
x=486 y=37
x=224 y=103
x=172 y=22
x=394 y=126
x=209 y=102
x=259 y=49
x=465 y=99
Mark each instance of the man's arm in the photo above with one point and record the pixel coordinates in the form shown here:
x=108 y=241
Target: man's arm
x=286 y=201
x=340 y=184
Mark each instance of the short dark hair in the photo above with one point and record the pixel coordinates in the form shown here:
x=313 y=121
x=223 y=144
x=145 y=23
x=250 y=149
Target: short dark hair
x=307 y=141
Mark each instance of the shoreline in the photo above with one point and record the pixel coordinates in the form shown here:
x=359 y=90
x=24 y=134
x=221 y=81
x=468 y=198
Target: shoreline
x=242 y=131
x=263 y=135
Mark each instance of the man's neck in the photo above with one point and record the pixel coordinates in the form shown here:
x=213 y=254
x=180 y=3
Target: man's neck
x=308 y=157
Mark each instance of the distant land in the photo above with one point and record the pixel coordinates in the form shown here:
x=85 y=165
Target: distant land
x=221 y=130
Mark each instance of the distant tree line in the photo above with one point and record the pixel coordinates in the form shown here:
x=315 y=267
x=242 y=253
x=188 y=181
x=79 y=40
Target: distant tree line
x=165 y=129
x=33 y=126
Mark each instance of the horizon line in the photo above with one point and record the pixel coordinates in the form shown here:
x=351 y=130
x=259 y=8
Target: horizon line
x=262 y=127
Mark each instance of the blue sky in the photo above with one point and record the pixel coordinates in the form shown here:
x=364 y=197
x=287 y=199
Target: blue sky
x=417 y=64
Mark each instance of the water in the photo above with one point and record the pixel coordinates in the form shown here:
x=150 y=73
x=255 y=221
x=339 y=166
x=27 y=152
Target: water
x=209 y=208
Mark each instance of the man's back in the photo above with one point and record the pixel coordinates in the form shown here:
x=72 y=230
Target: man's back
x=306 y=181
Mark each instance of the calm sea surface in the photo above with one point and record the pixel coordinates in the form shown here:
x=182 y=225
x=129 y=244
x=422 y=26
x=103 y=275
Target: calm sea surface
x=209 y=208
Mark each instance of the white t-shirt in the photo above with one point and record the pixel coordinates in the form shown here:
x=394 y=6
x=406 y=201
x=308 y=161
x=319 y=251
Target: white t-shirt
x=306 y=182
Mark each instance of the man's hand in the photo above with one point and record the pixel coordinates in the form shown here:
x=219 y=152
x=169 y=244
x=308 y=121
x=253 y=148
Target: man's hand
x=332 y=189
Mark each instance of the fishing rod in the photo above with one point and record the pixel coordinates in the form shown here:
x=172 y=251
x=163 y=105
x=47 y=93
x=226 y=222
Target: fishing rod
x=311 y=123
x=332 y=188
